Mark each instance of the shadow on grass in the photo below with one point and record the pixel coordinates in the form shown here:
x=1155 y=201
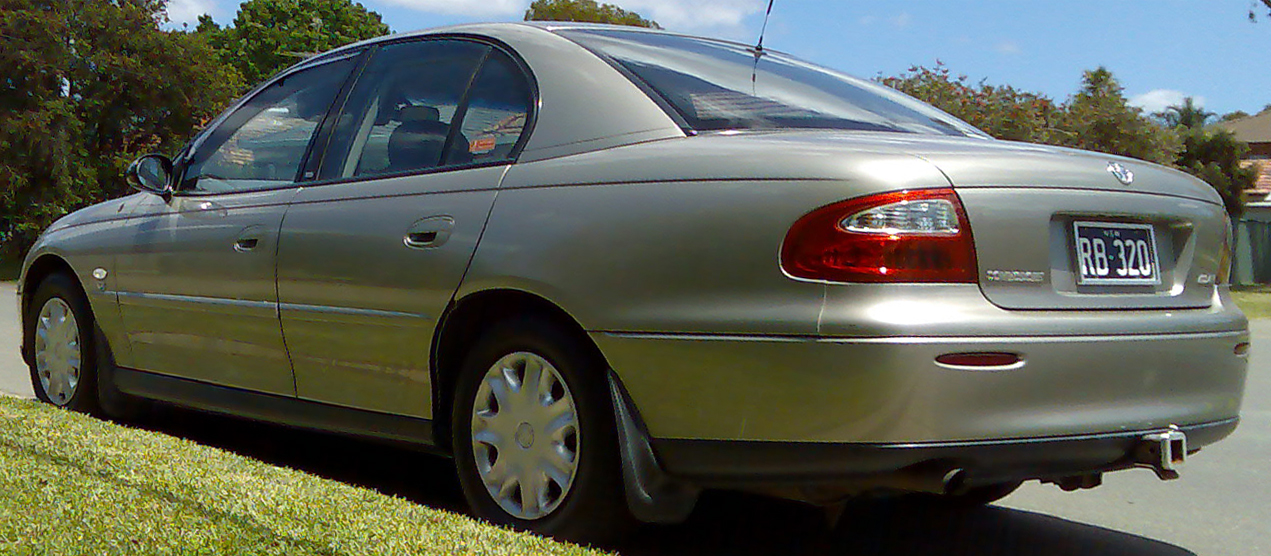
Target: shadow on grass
x=723 y=523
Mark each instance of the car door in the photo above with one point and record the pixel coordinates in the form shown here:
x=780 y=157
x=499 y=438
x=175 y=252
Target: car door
x=198 y=295
x=371 y=255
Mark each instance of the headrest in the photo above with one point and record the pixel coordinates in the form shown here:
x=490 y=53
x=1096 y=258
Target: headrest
x=419 y=114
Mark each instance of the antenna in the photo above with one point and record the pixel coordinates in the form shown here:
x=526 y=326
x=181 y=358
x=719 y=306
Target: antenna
x=759 y=47
x=764 y=29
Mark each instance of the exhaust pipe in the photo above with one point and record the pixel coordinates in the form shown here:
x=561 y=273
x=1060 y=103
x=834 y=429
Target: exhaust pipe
x=927 y=478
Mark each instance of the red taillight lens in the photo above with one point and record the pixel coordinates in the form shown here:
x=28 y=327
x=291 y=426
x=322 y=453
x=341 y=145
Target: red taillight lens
x=907 y=236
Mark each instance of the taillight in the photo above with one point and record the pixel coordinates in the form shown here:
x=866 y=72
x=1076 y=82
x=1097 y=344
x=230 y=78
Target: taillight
x=906 y=236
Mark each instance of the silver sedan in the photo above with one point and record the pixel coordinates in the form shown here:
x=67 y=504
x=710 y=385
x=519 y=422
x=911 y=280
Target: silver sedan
x=607 y=268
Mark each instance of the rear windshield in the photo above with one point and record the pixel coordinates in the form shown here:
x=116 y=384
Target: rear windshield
x=716 y=85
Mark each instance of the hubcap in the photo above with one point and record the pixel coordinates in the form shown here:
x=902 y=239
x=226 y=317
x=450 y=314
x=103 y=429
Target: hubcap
x=57 y=351
x=525 y=435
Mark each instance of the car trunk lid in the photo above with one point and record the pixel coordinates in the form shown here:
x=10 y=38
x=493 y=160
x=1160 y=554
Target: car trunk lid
x=1058 y=229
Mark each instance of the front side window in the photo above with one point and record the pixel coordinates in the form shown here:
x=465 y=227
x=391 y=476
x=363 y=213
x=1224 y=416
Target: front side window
x=262 y=144
x=715 y=85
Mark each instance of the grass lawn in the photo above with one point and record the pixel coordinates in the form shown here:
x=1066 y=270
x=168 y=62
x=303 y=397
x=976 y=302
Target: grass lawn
x=72 y=484
x=1255 y=301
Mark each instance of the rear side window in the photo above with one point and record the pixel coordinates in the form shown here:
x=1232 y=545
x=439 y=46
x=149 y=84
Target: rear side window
x=498 y=107
x=401 y=114
x=715 y=85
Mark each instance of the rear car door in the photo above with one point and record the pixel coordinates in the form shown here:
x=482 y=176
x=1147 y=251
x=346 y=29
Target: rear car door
x=372 y=253
x=198 y=288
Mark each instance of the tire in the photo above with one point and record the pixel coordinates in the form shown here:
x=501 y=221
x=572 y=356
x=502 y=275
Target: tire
x=502 y=470
x=64 y=358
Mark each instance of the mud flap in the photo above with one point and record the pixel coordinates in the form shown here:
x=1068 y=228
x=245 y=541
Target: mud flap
x=652 y=495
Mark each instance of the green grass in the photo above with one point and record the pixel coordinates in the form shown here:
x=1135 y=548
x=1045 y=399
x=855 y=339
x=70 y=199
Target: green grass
x=1255 y=301
x=72 y=484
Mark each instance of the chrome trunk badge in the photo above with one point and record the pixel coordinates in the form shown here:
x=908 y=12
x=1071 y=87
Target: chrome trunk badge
x=1122 y=174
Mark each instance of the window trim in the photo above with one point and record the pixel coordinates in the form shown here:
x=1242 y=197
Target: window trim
x=531 y=118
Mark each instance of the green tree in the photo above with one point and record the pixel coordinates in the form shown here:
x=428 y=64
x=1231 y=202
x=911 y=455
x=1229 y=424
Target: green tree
x=85 y=87
x=1187 y=115
x=267 y=36
x=1253 y=15
x=586 y=11
x=1099 y=118
x=1001 y=111
x=1237 y=115
x=1216 y=157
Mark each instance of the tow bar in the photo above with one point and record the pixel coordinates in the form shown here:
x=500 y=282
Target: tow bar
x=1163 y=452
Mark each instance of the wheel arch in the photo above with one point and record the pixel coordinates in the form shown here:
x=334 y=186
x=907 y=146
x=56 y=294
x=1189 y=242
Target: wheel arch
x=40 y=269
x=461 y=326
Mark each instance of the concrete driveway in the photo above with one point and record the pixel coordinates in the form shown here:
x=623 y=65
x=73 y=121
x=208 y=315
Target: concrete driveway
x=13 y=374
x=1218 y=507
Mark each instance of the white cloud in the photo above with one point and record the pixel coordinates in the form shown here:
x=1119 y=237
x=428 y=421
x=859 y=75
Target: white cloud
x=188 y=11
x=716 y=15
x=901 y=20
x=1009 y=48
x=721 y=15
x=478 y=8
x=1160 y=99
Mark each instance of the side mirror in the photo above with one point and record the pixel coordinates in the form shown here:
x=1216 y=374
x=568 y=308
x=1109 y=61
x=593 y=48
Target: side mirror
x=151 y=173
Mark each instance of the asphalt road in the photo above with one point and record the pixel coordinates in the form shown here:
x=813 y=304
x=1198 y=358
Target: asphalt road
x=1219 y=506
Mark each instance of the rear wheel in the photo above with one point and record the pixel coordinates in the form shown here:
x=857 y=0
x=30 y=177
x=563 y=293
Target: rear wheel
x=60 y=325
x=534 y=437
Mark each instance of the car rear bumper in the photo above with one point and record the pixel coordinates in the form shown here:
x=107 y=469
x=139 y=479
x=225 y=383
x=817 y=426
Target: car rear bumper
x=732 y=464
x=892 y=391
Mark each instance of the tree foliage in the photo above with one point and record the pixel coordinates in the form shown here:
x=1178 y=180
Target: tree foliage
x=1253 y=15
x=1099 y=118
x=585 y=11
x=1231 y=116
x=1002 y=111
x=85 y=87
x=267 y=36
x=1188 y=115
x=1215 y=156
x=1096 y=118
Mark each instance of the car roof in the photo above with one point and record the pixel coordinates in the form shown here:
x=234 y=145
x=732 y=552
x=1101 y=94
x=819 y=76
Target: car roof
x=493 y=28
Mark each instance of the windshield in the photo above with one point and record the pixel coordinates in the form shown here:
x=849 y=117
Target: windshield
x=716 y=85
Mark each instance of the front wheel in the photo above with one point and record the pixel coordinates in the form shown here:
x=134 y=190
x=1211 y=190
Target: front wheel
x=534 y=437
x=60 y=325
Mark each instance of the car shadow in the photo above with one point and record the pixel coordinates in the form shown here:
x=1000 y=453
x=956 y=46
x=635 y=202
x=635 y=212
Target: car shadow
x=733 y=524
x=740 y=525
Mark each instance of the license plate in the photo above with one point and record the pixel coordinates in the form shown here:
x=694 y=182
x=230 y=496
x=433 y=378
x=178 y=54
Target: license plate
x=1113 y=253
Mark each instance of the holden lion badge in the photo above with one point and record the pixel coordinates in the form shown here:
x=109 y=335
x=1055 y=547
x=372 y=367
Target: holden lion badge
x=1123 y=174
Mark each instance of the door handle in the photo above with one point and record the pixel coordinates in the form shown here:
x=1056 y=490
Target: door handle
x=248 y=239
x=429 y=232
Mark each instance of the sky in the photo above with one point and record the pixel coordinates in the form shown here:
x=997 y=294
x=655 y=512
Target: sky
x=1160 y=50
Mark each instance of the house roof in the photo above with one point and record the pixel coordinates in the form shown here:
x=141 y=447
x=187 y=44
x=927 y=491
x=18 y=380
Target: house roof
x=1254 y=129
